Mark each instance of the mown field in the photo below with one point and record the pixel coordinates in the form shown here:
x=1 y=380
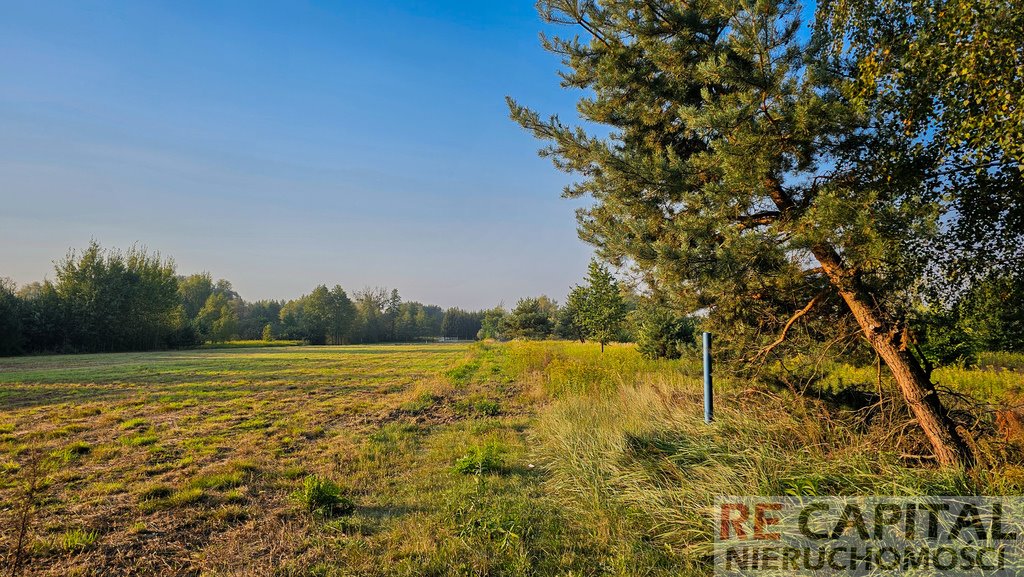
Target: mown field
x=450 y=459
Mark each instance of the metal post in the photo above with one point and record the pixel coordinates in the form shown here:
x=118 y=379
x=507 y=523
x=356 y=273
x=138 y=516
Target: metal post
x=709 y=403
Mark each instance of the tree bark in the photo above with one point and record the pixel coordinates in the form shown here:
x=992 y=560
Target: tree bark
x=884 y=335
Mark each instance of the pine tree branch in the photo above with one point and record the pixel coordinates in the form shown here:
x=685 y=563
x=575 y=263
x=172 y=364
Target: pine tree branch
x=782 y=336
x=758 y=219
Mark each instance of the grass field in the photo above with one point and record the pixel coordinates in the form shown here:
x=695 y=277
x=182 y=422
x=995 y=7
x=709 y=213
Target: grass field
x=185 y=462
x=442 y=459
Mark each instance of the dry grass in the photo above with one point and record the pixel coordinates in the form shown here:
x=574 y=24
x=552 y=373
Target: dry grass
x=185 y=462
x=516 y=459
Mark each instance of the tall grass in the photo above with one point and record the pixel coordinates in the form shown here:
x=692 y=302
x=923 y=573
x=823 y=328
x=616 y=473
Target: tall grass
x=625 y=448
x=570 y=368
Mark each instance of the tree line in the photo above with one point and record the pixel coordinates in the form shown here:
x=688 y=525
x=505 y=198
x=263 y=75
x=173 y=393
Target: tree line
x=107 y=300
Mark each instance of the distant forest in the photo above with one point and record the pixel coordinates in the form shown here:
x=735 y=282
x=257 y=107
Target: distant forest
x=104 y=300
x=107 y=300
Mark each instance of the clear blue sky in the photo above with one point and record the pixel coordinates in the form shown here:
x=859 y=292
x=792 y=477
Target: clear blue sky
x=282 y=145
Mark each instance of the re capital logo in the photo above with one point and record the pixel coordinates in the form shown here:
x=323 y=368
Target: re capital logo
x=749 y=521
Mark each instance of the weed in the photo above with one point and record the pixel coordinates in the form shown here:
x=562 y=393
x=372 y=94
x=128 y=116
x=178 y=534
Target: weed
x=479 y=405
x=35 y=481
x=487 y=407
x=76 y=540
x=482 y=459
x=323 y=497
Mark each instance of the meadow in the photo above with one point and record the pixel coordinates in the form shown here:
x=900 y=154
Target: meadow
x=523 y=458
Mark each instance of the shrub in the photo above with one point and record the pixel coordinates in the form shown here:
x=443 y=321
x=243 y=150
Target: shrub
x=322 y=497
x=661 y=333
x=943 y=341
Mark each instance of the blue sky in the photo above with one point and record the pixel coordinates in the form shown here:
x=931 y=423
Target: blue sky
x=282 y=145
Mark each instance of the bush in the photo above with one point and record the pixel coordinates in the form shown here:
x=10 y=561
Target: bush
x=322 y=497
x=662 y=333
x=184 y=336
x=943 y=341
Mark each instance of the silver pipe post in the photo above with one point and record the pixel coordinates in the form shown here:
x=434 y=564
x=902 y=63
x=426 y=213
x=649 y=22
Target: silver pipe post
x=709 y=402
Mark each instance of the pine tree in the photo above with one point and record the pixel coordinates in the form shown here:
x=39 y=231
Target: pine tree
x=600 y=308
x=755 y=172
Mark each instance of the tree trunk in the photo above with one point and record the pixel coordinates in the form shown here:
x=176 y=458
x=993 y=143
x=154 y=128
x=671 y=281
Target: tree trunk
x=884 y=335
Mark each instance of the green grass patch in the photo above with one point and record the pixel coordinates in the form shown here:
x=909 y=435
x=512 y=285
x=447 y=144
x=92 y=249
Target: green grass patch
x=219 y=481
x=76 y=540
x=155 y=491
x=140 y=440
x=136 y=423
x=161 y=498
x=71 y=452
x=482 y=459
x=323 y=497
